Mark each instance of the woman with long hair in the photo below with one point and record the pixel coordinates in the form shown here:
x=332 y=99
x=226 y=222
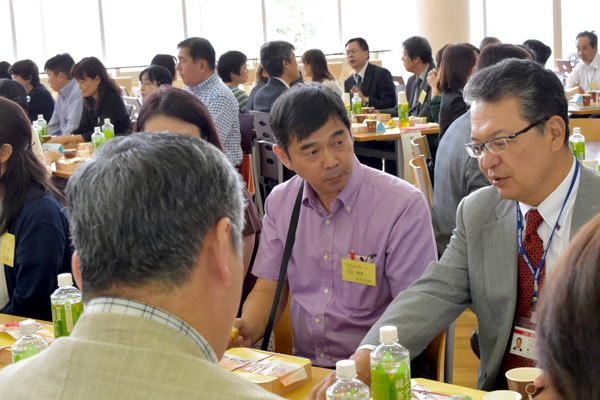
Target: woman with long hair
x=101 y=99
x=315 y=67
x=34 y=226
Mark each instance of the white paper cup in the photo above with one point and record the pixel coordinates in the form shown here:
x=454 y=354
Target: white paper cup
x=502 y=395
x=521 y=380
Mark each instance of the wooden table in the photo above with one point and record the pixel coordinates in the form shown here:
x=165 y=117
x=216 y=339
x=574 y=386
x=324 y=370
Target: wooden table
x=392 y=134
x=577 y=109
x=318 y=374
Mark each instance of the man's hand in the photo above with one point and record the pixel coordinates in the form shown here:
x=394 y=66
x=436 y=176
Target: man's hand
x=52 y=156
x=579 y=88
x=355 y=89
x=245 y=337
x=547 y=393
x=363 y=372
x=432 y=82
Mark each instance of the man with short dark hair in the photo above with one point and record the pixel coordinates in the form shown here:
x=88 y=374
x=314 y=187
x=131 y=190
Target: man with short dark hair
x=197 y=71
x=348 y=213
x=279 y=61
x=374 y=84
x=498 y=256
x=586 y=74
x=158 y=258
x=69 y=102
x=233 y=71
x=418 y=60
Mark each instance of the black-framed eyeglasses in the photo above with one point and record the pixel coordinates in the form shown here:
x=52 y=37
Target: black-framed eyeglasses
x=497 y=145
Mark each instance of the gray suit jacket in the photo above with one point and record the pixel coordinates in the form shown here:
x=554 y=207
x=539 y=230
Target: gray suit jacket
x=478 y=269
x=113 y=356
x=456 y=175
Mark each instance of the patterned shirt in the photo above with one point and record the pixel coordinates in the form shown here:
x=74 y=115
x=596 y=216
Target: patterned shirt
x=240 y=96
x=224 y=109
x=117 y=305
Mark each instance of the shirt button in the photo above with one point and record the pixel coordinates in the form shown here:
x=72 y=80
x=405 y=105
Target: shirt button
x=327 y=222
x=326 y=291
x=348 y=208
x=317 y=320
x=322 y=355
x=326 y=256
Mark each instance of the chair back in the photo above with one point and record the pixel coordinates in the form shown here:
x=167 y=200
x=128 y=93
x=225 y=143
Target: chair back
x=335 y=68
x=421 y=177
x=423 y=147
x=398 y=79
x=573 y=58
x=247 y=132
x=436 y=349
x=126 y=82
x=270 y=165
x=262 y=126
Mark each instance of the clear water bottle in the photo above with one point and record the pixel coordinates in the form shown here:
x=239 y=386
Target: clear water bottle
x=42 y=124
x=356 y=104
x=347 y=386
x=390 y=367
x=67 y=306
x=29 y=344
x=97 y=138
x=108 y=129
x=577 y=143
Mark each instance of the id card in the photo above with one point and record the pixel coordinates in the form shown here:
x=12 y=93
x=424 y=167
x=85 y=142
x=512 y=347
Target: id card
x=523 y=342
x=594 y=85
x=422 y=96
x=7 y=251
x=359 y=272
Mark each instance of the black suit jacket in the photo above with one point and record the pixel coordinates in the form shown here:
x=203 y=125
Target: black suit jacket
x=452 y=107
x=377 y=85
x=416 y=109
x=266 y=96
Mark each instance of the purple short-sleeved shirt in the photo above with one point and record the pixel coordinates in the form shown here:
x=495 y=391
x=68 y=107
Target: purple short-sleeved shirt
x=374 y=213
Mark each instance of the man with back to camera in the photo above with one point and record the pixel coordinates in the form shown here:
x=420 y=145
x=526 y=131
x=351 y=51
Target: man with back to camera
x=279 y=61
x=69 y=102
x=197 y=71
x=347 y=210
x=586 y=74
x=161 y=276
x=519 y=120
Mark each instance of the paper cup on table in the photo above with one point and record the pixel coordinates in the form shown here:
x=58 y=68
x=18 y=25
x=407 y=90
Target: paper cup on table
x=594 y=94
x=346 y=98
x=502 y=395
x=593 y=164
x=587 y=98
x=521 y=380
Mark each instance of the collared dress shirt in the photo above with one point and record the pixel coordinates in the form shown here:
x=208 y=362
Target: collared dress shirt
x=117 y=305
x=585 y=74
x=67 y=110
x=375 y=213
x=224 y=109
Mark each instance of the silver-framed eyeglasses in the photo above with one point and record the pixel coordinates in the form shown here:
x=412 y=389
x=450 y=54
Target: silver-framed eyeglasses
x=497 y=145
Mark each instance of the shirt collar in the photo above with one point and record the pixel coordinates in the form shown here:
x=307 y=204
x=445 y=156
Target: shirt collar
x=549 y=209
x=205 y=84
x=282 y=81
x=136 y=308
x=423 y=75
x=68 y=88
x=347 y=196
x=363 y=71
x=596 y=61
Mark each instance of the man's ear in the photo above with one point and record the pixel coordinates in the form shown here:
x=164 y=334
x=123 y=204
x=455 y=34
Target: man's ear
x=76 y=270
x=282 y=154
x=558 y=130
x=220 y=251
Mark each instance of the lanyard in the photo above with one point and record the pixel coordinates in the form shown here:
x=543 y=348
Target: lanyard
x=588 y=78
x=536 y=272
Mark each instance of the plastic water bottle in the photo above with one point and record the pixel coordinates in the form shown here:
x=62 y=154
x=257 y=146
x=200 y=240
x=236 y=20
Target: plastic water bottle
x=29 y=344
x=577 y=142
x=97 y=138
x=347 y=386
x=39 y=130
x=42 y=124
x=108 y=129
x=390 y=367
x=356 y=104
x=67 y=306
x=403 y=110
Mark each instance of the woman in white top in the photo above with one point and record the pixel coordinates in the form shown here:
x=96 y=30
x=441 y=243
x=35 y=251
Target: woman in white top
x=315 y=67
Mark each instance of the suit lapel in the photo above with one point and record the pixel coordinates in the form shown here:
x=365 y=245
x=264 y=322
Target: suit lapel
x=367 y=82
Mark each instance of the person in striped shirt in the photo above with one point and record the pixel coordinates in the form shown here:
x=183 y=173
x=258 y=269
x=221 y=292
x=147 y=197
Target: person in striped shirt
x=233 y=71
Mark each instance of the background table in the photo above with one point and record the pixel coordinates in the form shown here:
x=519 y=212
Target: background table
x=576 y=109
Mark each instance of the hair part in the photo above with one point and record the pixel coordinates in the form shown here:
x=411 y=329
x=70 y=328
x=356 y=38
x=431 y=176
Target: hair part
x=142 y=207
x=318 y=65
x=60 y=63
x=27 y=70
x=229 y=63
x=273 y=54
x=91 y=67
x=417 y=46
x=199 y=49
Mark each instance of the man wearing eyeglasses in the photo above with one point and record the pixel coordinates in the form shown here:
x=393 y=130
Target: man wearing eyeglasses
x=508 y=235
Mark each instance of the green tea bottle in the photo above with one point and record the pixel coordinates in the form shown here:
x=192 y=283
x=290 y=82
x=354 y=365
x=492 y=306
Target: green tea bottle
x=403 y=110
x=390 y=367
x=356 y=104
x=67 y=306
x=577 y=143
x=42 y=124
x=98 y=138
x=108 y=129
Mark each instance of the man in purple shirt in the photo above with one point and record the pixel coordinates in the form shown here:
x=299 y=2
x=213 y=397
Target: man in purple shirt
x=346 y=208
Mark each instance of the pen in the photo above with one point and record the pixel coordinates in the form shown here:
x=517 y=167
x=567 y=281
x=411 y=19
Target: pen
x=352 y=255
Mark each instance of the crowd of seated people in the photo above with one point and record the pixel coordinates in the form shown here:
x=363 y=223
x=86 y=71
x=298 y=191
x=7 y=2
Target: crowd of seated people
x=510 y=199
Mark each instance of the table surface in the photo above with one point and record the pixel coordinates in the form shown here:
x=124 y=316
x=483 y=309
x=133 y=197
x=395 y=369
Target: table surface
x=389 y=134
x=579 y=109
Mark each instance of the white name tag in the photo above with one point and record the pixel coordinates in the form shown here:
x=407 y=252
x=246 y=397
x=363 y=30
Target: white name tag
x=523 y=342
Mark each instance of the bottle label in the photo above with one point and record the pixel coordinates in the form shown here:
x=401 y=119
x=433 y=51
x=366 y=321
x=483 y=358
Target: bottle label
x=391 y=386
x=30 y=351
x=65 y=317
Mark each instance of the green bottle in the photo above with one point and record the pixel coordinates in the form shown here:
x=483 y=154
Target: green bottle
x=67 y=306
x=39 y=130
x=108 y=129
x=390 y=367
x=29 y=344
x=42 y=124
x=356 y=104
x=403 y=110
x=97 y=138
x=577 y=143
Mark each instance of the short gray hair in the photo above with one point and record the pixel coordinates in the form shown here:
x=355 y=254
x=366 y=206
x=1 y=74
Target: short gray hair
x=141 y=208
x=539 y=90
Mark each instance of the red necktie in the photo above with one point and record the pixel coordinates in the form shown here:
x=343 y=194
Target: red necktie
x=534 y=247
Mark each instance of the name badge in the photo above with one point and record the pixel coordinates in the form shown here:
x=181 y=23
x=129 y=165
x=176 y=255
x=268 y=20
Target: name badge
x=594 y=85
x=422 y=96
x=523 y=343
x=359 y=272
x=7 y=251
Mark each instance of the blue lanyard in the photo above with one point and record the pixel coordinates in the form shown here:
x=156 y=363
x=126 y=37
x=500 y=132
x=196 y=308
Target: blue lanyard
x=536 y=272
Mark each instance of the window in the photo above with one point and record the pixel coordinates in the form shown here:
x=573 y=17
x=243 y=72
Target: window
x=577 y=17
x=6 y=45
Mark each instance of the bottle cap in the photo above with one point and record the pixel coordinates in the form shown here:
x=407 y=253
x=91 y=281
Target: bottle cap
x=388 y=334
x=402 y=98
x=356 y=95
x=345 y=370
x=27 y=327
x=40 y=116
x=97 y=129
x=576 y=131
x=107 y=120
x=65 y=279
x=346 y=98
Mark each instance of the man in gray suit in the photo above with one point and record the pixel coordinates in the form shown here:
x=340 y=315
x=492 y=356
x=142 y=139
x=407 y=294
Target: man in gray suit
x=456 y=174
x=520 y=131
x=157 y=221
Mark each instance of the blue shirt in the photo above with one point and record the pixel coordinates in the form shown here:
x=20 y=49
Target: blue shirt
x=224 y=109
x=67 y=111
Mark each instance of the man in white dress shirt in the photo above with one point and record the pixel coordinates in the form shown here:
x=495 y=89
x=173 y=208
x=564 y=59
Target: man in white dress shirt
x=586 y=74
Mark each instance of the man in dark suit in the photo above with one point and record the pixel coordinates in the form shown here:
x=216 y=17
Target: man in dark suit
x=373 y=84
x=279 y=61
x=418 y=60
